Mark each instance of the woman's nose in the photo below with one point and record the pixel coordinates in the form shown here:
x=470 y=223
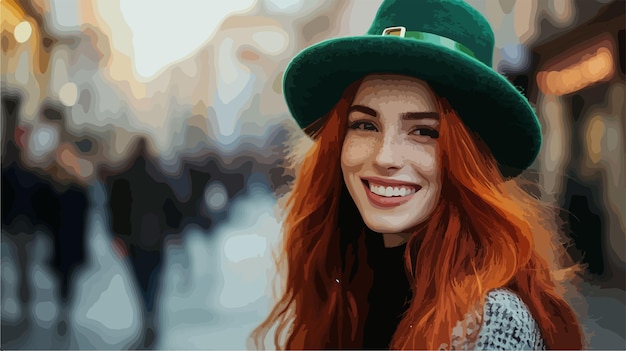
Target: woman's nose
x=388 y=155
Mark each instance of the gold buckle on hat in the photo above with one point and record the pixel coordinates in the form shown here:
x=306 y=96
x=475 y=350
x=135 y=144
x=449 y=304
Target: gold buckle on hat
x=395 y=31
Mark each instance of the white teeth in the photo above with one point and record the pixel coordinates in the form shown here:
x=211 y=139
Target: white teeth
x=389 y=191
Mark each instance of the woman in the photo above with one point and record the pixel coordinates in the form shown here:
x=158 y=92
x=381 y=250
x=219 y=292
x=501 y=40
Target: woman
x=405 y=228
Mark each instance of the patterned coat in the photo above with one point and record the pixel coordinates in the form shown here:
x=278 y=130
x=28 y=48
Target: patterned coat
x=507 y=324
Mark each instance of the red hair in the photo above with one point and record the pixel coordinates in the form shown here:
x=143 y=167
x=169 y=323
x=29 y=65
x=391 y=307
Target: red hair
x=488 y=233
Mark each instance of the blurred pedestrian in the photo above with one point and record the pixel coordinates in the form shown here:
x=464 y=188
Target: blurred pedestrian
x=35 y=201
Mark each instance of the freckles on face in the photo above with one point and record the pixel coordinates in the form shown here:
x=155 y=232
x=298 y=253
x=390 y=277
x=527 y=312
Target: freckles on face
x=389 y=157
x=425 y=160
x=355 y=152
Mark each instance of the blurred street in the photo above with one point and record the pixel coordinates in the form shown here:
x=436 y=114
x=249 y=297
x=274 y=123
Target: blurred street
x=215 y=290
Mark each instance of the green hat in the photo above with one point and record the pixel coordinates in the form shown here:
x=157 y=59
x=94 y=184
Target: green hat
x=444 y=42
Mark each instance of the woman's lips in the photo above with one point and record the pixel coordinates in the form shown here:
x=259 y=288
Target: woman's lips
x=396 y=192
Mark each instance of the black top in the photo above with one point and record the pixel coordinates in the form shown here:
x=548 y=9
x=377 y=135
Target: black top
x=389 y=295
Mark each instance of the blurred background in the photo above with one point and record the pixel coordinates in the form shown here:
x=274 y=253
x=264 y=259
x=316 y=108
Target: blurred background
x=143 y=145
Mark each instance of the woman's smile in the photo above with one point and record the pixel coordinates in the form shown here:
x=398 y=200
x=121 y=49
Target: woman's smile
x=388 y=192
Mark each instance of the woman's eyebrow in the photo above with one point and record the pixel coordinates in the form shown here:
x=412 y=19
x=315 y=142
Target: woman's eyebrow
x=406 y=115
x=363 y=109
x=419 y=115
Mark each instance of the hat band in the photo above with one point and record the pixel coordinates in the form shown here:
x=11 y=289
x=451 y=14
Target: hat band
x=429 y=38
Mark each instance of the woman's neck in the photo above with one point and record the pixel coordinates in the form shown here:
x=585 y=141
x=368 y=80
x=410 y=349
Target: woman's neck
x=395 y=240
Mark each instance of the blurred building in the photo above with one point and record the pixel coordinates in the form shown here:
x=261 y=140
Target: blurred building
x=36 y=67
x=25 y=54
x=573 y=72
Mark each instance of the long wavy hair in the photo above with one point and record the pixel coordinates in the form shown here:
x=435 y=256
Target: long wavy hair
x=487 y=232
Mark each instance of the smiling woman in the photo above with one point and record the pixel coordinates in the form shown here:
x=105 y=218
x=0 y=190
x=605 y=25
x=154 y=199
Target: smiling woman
x=389 y=156
x=406 y=227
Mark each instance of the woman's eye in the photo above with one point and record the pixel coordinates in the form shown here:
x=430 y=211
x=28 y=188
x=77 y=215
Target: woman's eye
x=426 y=132
x=363 y=126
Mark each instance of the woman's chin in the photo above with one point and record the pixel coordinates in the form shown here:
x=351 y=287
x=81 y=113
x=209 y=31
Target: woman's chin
x=388 y=224
x=386 y=228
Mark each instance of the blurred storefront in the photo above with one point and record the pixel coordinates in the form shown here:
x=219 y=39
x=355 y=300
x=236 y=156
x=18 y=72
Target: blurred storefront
x=36 y=101
x=575 y=79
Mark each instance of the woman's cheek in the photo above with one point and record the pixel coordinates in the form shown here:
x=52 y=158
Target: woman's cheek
x=425 y=159
x=356 y=151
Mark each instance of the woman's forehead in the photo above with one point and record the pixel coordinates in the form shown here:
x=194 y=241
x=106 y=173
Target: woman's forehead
x=395 y=89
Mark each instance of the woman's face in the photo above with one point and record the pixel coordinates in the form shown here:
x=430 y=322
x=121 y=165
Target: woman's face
x=389 y=157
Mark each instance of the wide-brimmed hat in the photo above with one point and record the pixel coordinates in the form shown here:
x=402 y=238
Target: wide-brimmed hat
x=446 y=43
